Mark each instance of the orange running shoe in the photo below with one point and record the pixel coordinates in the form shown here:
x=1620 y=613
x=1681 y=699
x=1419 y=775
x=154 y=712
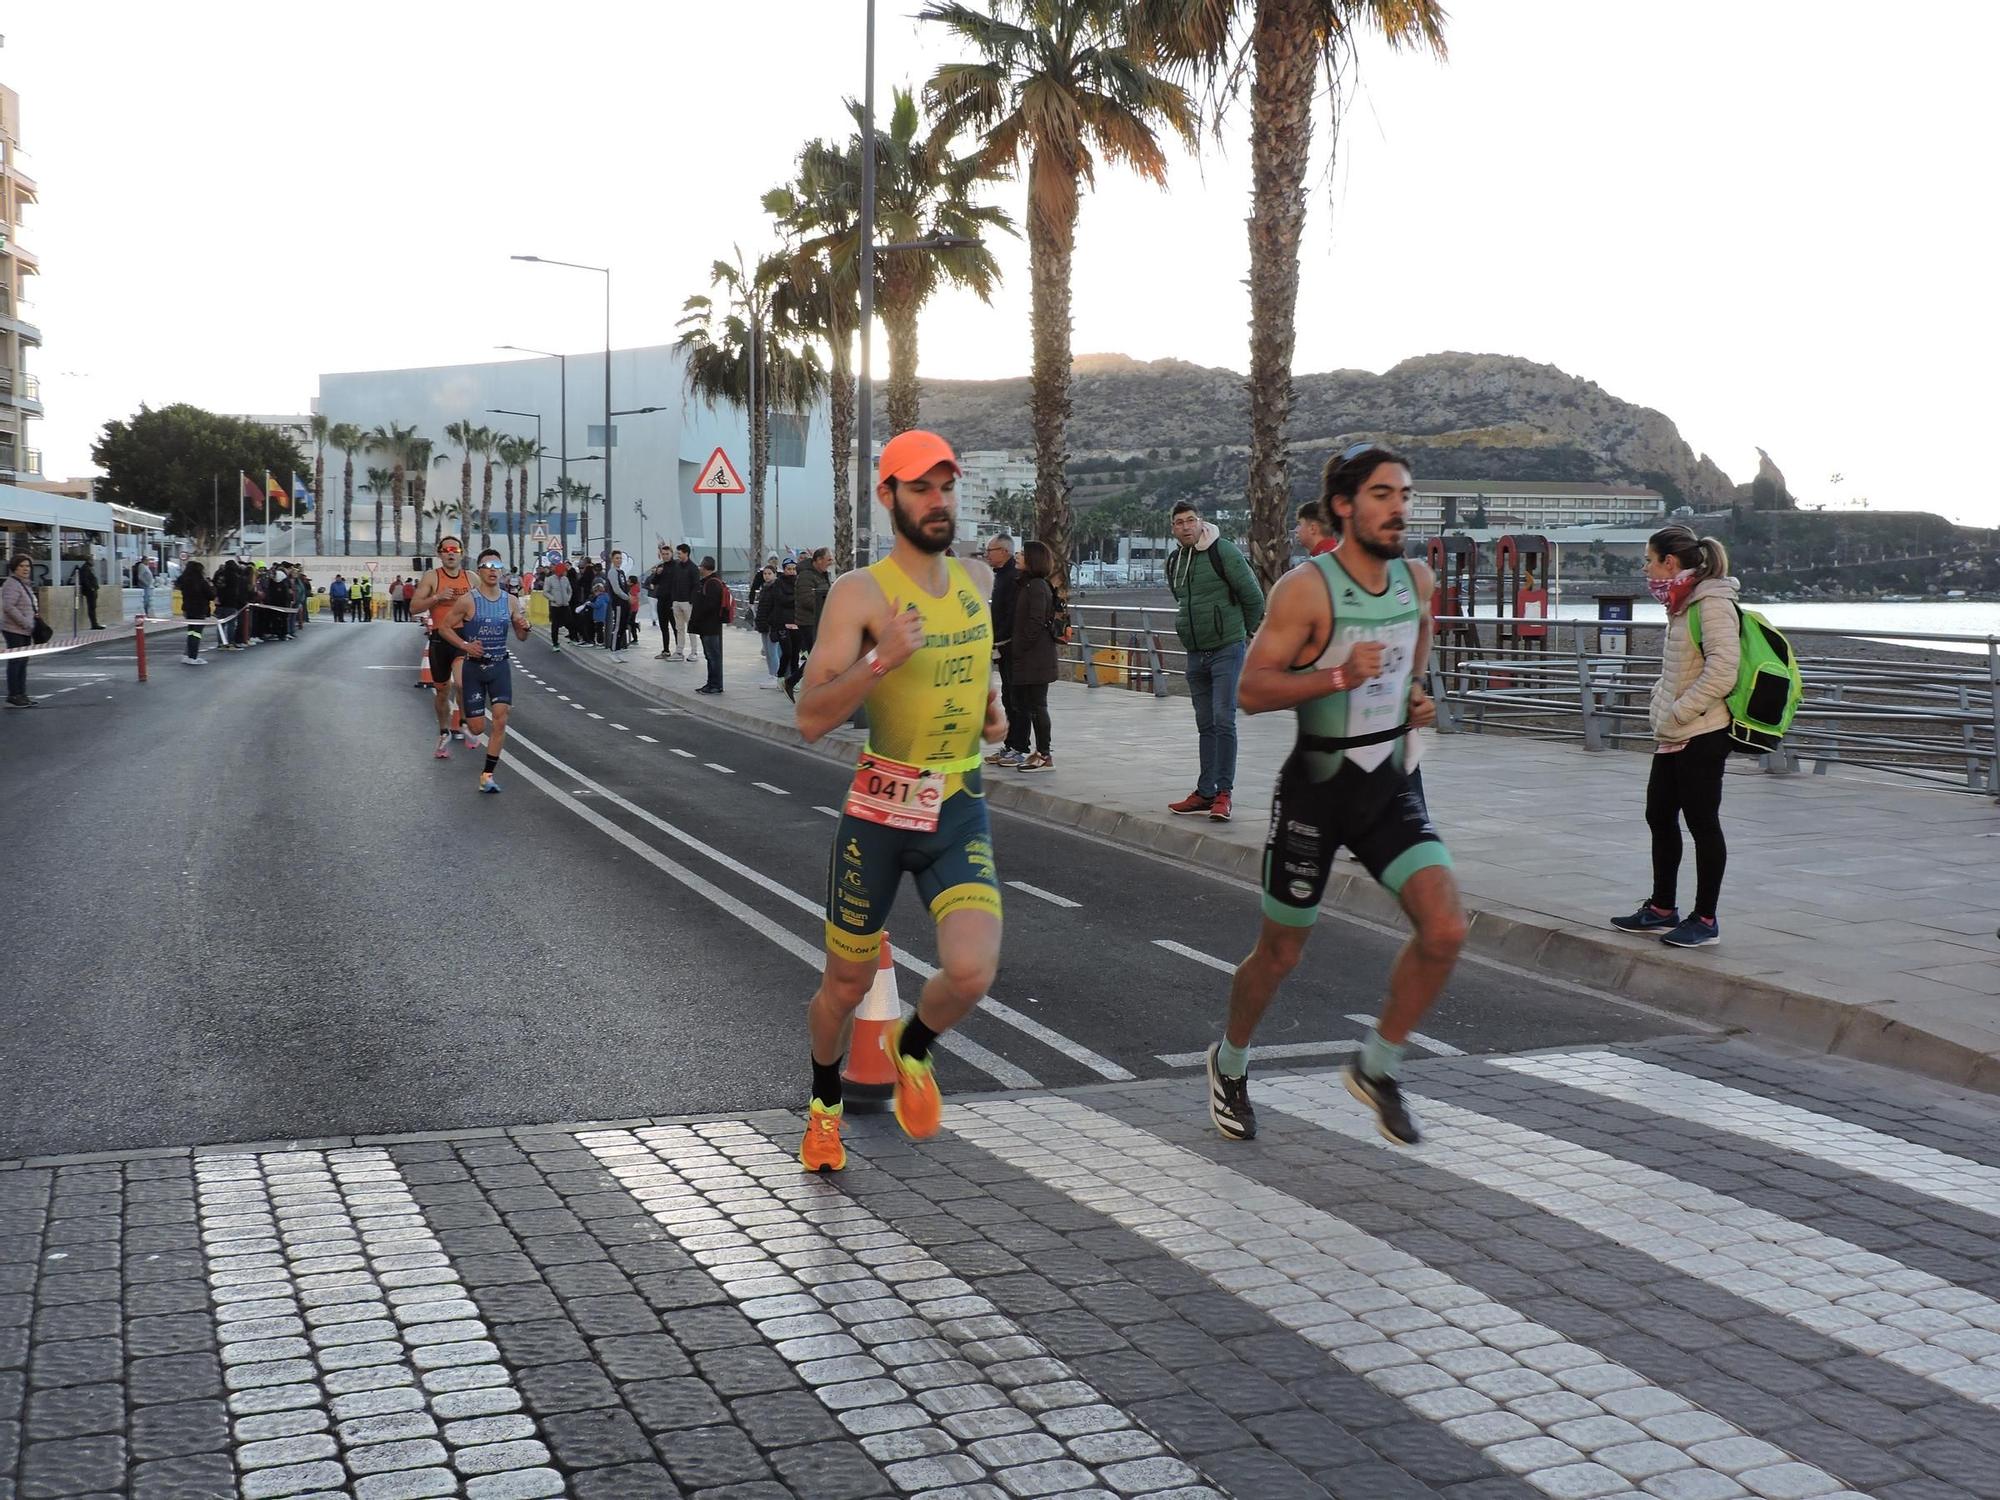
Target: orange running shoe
x=919 y=1105
x=821 y=1150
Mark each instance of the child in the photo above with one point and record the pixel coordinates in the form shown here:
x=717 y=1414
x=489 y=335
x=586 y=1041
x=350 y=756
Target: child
x=600 y=611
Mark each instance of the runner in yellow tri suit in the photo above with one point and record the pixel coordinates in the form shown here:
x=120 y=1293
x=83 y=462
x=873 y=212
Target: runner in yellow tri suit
x=912 y=638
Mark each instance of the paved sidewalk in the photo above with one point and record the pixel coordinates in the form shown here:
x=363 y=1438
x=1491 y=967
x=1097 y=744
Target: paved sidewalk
x=1859 y=915
x=1667 y=1272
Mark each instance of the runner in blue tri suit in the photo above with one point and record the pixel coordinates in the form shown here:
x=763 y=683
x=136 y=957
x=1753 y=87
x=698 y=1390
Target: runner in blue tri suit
x=477 y=623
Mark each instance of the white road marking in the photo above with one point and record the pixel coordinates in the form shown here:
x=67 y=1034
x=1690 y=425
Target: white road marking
x=1854 y=1148
x=776 y=791
x=715 y=767
x=548 y=690
x=1276 y=1052
x=579 y=707
x=649 y=739
x=683 y=754
x=997 y=1066
x=1417 y=1038
x=1049 y=896
x=616 y=726
x=831 y=812
x=1194 y=953
x=563 y=696
x=597 y=716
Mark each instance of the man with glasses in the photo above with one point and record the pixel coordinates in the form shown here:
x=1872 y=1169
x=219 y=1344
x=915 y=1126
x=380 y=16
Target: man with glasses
x=442 y=587
x=476 y=625
x=1217 y=608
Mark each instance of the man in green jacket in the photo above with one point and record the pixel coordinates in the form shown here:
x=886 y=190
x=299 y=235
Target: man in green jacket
x=1218 y=606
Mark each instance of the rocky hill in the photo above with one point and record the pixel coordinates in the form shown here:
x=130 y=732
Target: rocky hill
x=1462 y=416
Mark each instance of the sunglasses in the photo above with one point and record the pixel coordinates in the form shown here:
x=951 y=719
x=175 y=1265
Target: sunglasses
x=1354 y=450
x=451 y=551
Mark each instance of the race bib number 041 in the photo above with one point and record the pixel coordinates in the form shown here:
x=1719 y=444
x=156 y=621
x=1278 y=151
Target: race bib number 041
x=895 y=795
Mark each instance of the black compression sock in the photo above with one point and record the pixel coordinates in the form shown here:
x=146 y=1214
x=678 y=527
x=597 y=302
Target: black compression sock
x=826 y=1083
x=491 y=762
x=917 y=1038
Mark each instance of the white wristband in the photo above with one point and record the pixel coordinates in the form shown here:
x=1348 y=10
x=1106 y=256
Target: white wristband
x=876 y=666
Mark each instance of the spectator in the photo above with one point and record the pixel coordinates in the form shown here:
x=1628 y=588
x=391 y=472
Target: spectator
x=631 y=612
x=142 y=580
x=556 y=589
x=1317 y=530
x=706 y=621
x=815 y=578
x=600 y=611
x=1006 y=586
x=409 y=593
x=197 y=603
x=230 y=594
x=336 y=598
x=396 y=611
x=619 y=586
x=656 y=586
x=18 y=614
x=1032 y=650
x=85 y=579
x=785 y=617
x=681 y=585
x=1217 y=608
x=763 y=618
x=366 y=594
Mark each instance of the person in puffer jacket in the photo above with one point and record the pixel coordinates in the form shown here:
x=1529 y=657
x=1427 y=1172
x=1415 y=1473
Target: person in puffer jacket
x=1689 y=714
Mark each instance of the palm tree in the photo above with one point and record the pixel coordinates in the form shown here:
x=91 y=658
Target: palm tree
x=789 y=374
x=320 y=427
x=394 y=442
x=1058 y=83
x=348 y=439
x=486 y=441
x=463 y=435
x=1291 y=43
x=381 y=482
x=514 y=453
x=421 y=459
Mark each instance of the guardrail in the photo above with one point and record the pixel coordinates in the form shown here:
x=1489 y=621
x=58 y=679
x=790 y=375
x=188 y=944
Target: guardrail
x=1932 y=721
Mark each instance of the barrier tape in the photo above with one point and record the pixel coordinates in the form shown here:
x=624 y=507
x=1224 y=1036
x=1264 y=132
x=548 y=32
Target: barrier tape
x=78 y=643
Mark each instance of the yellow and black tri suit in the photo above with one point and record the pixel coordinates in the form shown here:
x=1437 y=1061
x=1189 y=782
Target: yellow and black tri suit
x=928 y=713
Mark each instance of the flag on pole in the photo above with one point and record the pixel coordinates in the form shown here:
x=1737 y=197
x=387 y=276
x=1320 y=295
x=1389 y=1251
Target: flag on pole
x=277 y=492
x=252 y=496
x=302 y=497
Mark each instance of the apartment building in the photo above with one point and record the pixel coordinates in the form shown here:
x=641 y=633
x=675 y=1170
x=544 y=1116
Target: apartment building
x=20 y=392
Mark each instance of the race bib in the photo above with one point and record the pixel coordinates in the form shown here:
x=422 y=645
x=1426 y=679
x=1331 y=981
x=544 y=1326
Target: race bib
x=895 y=795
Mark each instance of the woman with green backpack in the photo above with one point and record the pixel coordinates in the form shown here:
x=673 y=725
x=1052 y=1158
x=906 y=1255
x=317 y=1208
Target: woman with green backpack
x=1690 y=719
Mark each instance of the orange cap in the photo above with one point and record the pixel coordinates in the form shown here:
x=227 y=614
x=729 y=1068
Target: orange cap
x=913 y=454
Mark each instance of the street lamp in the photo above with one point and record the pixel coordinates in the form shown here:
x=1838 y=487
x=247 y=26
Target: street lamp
x=562 y=425
x=605 y=272
x=502 y=411
x=629 y=411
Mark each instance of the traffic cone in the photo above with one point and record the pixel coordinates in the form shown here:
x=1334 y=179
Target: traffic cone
x=868 y=1080
x=424 y=678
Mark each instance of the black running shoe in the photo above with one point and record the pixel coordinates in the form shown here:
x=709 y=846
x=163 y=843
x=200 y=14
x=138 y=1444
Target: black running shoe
x=1229 y=1101
x=1385 y=1097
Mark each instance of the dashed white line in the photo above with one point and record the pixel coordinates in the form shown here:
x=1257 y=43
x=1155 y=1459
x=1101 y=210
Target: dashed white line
x=616 y=726
x=1442 y=1049
x=775 y=791
x=683 y=754
x=548 y=690
x=1194 y=953
x=648 y=739
x=713 y=766
x=831 y=812
x=1049 y=896
x=576 y=705
x=1274 y=1053
x=563 y=696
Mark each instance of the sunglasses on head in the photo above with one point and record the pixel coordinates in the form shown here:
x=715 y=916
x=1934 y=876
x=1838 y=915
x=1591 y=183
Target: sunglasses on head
x=1355 y=450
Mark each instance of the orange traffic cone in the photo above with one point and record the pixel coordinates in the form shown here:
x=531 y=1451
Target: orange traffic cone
x=868 y=1081
x=424 y=678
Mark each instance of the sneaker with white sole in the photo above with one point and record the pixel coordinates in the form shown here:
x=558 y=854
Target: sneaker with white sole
x=1695 y=932
x=1229 y=1105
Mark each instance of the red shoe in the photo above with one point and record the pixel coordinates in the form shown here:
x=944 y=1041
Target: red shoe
x=1219 y=811
x=1193 y=802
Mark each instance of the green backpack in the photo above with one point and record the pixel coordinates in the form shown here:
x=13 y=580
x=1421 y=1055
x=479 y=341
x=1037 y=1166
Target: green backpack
x=1768 y=683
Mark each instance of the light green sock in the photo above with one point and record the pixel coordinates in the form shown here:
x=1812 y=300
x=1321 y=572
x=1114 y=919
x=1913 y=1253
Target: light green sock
x=1232 y=1059
x=1380 y=1059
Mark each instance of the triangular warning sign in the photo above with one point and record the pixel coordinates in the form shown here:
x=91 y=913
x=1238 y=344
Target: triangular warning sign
x=719 y=476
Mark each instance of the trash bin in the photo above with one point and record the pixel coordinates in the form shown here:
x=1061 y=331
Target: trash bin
x=1113 y=664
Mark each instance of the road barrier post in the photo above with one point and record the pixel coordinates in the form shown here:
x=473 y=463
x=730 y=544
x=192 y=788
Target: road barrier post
x=869 y=1077
x=139 y=644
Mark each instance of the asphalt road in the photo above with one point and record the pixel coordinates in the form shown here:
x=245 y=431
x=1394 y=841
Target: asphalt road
x=258 y=909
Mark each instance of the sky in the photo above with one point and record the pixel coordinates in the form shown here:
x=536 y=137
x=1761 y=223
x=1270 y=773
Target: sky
x=1761 y=217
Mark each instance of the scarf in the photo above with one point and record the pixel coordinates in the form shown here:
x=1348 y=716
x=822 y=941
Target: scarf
x=1673 y=592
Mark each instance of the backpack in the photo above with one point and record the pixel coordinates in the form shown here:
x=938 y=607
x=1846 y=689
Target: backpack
x=728 y=605
x=1768 y=687
x=1058 y=620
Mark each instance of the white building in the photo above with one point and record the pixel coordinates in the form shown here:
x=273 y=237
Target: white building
x=988 y=471
x=1511 y=505
x=20 y=390
x=658 y=456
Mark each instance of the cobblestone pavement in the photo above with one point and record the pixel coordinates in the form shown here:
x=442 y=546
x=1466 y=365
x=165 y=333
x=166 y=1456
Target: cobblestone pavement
x=1685 y=1270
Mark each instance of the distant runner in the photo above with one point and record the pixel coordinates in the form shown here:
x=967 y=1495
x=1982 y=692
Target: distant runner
x=912 y=638
x=1344 y=643
x=440 y=587
x=476 y=624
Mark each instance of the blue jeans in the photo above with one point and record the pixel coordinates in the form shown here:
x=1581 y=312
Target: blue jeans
x=711 y=649
x=1212 y=678
x=774 y=651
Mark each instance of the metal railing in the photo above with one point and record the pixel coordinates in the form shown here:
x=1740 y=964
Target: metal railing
x=1124 y=645
x=1930 y=720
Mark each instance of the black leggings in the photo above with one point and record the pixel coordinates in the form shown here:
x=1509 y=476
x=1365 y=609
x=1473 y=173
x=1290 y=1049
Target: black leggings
x=1687 y=784
x=1033 y=702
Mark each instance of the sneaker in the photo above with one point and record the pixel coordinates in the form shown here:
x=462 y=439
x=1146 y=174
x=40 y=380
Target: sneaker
x=821 y=1150
x=1220 y=809
x=919 y=1105
x=488 y=784
x=1695 y=932
x=616 y=656
x=1229 y=1101
x=662 y=656
x=475 y=742
x=444 y=747
x=1038 y=762
x=20 y=703
x=1006 y=755
x=1191 y=804
x=192 y=661
x=1649 y=918
x=1385 y=1097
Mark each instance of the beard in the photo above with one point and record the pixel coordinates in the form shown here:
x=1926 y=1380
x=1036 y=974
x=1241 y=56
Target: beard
x=1387 y=545
x=928 y=541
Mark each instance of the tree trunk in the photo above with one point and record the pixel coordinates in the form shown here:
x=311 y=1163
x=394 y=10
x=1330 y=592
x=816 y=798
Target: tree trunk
x=396 y=480
x=1051 y=241
x=841 y=424
x=900 y=318
x=486 y=509
x=347 y=509
x=319 y=503
x=465 y=486
x=760 y=455
x=1287 y=62
x=521 y=528
x=508 y=499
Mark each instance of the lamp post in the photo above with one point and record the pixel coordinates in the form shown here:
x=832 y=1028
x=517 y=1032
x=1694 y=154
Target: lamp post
x=628 y=411
x=562 y=427
x=502 y=411
x=605 y=272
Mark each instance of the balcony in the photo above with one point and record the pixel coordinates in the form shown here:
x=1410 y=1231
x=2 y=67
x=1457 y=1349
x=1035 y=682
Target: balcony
x=20 y=463
x=26 y=258
x=20 y=389
x=14 y=315
x=23 y=183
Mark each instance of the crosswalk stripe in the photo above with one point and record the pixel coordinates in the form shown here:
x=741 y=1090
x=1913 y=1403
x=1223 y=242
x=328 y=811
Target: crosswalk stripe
x=1415 y=1038
x=1275 y=1052
x=1906 y=1317
x=1453 y=1355
x=1683 y=1096
x=326 y=1277
x=815 y=1271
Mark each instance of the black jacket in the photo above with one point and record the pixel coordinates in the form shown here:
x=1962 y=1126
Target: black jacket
x=1006 y=590
x=197 y=598
x=706 y=618
x=86 y=580
x=785 y=610
x=1033 y=651
x=682 y=578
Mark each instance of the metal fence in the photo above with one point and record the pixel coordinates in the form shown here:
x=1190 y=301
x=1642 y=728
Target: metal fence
x=1934 y=720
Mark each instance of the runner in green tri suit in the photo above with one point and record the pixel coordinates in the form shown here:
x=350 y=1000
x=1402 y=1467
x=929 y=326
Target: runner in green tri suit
x=1344 y=642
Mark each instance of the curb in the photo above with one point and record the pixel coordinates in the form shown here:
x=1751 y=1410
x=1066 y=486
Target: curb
x=1862 y=1031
